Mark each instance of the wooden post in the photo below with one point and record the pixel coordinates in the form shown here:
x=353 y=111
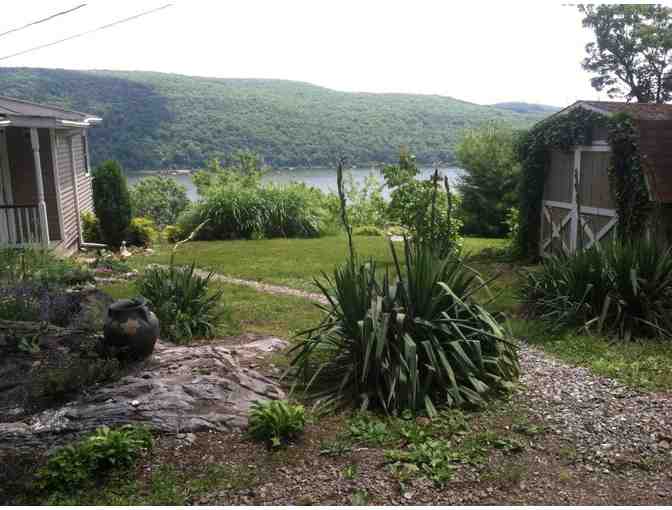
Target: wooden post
x=41 y=204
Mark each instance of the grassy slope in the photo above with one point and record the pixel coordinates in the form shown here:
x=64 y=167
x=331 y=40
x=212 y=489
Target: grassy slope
x=296 y=262
x=291 y=262
x=154 y=120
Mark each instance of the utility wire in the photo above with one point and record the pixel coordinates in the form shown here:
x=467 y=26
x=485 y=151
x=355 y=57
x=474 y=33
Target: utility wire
x=43 y=20
x=81 y=34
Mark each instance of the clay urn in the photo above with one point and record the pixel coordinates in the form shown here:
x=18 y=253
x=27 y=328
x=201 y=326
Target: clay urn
x=131 y=329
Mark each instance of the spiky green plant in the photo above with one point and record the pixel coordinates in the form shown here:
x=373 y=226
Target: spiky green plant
x=411 y=341
x=623 y=288
x=183 y=302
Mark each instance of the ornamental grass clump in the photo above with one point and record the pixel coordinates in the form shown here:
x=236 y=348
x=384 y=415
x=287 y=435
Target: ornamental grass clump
x=622 y=289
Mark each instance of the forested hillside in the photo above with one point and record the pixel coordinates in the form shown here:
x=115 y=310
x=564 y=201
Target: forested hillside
x=155 y=120
x=527 y=108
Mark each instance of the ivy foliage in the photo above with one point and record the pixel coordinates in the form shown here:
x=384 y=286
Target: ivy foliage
x=559 y=132
x=626 y=177
x=562 y=132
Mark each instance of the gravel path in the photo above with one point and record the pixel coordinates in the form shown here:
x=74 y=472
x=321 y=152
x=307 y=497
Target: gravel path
x=607 y=422
x=606 y=426
x=265 y=287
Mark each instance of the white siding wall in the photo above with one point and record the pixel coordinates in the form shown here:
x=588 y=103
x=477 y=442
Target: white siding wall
x=66 y=158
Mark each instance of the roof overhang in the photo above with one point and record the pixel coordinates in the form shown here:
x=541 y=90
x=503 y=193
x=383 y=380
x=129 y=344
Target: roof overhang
x=576 y=105
x=47 y=122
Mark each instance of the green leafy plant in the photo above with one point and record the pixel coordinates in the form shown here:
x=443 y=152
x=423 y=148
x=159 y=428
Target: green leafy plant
x=91 y=228
x=183 y=301
x=335 y=448
x=367 y=230
x=434 y=458
x=141 y=232
x=369 y=429
x=276 y=421
x=624 y=288
x=111 y=202
x=418 y=207
x=172 y=233
x=72 y=466
x=487 y=187
x=41 y=267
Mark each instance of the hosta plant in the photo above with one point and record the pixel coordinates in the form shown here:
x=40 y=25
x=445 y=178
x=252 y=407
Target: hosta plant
x=410 y=341
x=71 y=466
x=276 y=421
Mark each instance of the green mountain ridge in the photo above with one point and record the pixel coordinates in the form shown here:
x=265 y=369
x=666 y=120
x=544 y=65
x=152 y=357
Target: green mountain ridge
x=156 y=120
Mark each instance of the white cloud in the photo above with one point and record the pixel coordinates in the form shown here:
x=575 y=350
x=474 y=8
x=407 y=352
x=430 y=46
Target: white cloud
x=479 y=51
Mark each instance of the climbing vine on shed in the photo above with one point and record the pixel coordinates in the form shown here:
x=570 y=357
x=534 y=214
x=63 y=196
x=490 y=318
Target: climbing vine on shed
x=563 y=132
x=534 y=151
x=626 y=176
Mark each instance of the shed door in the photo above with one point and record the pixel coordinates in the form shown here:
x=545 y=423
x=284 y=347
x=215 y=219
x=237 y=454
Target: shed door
x=563 y=202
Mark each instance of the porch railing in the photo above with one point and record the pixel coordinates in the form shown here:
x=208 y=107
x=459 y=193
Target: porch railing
x=20 y=225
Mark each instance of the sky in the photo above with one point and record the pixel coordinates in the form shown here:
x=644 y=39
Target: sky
x=483 y=52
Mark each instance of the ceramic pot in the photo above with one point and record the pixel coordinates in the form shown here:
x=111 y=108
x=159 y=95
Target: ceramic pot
x=130 y=329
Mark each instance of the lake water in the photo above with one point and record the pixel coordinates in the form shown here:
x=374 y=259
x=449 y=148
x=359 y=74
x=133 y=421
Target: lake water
x=321 y=178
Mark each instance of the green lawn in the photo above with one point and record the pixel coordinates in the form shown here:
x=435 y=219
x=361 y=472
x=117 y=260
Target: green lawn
x=295 y=262
x=252 y=311
x=291 y=262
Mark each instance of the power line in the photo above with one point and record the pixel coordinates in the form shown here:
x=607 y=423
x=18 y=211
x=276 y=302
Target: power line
x=81 y=34
x=43 y=20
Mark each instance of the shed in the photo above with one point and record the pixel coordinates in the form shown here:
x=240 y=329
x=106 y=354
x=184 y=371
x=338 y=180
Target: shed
x=45 y=181
x=578 y=206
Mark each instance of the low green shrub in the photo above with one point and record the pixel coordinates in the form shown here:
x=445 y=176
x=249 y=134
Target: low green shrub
x=367 y=230
x=276 y=421
x=172 y=233
x=183 y=302
x=405 y=344
x=624 y=289
x=72 y=466
x=41 y=267
x=141 y=232
x=107 y=262
x=91 y=228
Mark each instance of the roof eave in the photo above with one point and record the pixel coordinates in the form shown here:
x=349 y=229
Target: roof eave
x=48 y=122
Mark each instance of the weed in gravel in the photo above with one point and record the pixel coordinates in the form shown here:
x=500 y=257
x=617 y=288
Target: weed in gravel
x=568 y=454
x=369 y=429
x=350 y=472
x=433 y=458
x=507 y=474
x=564 y=475
x=359 y=498
x=276 y=421
x=335 y=448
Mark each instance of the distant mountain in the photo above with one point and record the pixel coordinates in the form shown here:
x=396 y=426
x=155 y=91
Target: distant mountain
x=527 y=108
x=156 y=120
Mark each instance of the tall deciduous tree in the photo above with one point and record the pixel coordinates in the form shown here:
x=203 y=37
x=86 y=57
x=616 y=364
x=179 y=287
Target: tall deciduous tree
x=632 y=52
x=159 y=198
x=491 y=173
